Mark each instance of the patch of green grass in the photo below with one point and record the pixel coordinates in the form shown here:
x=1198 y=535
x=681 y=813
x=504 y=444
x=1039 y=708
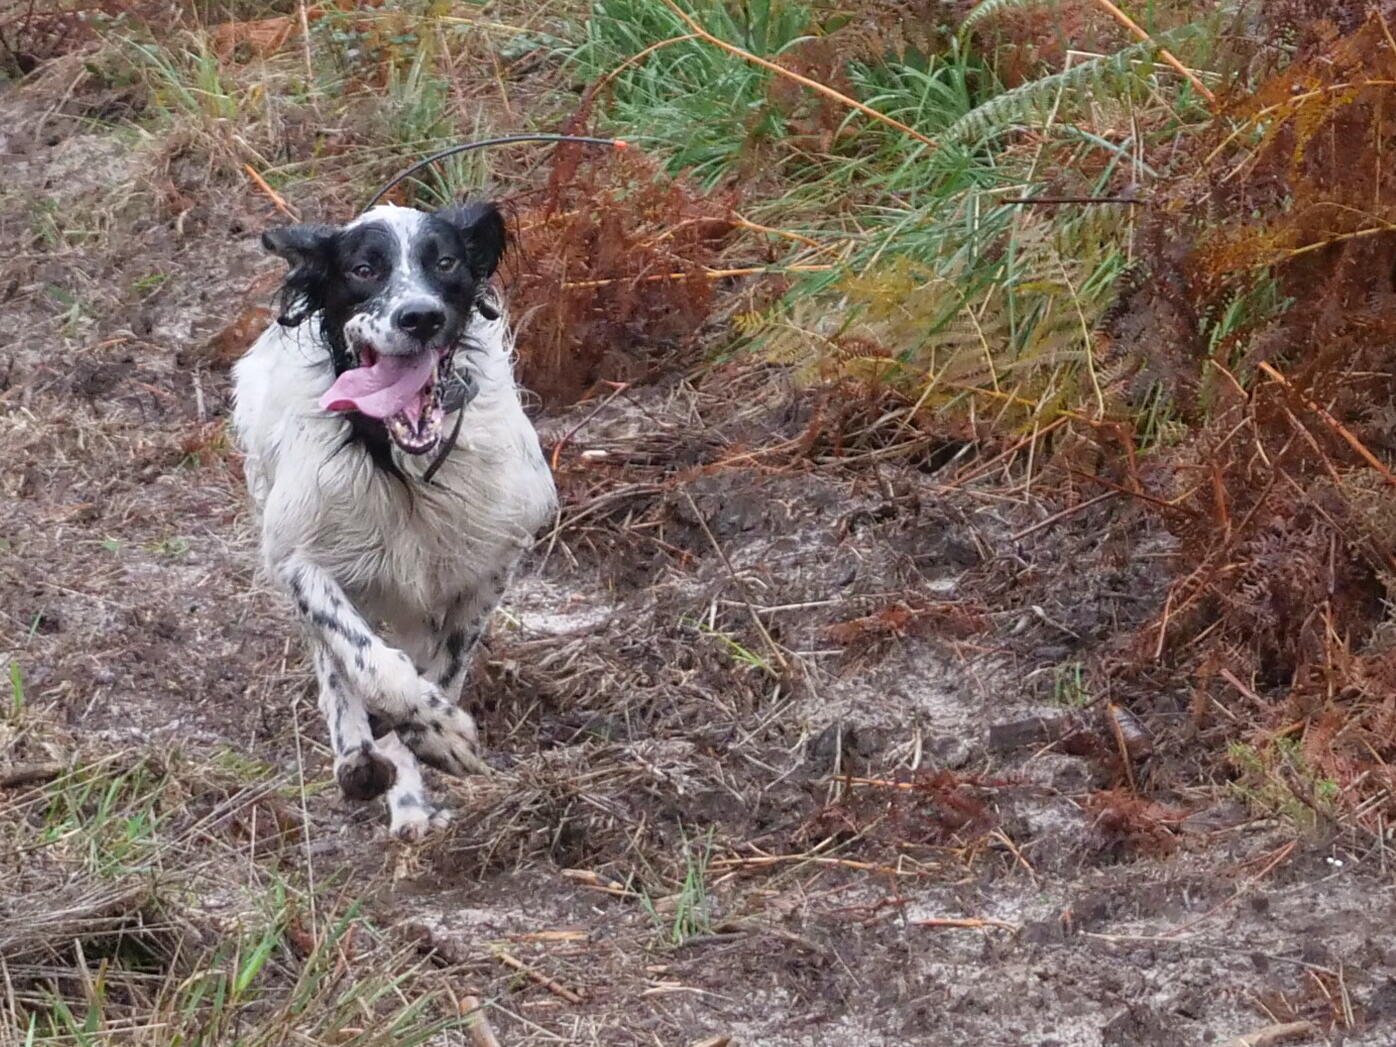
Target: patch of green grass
x=134 y=837
x=188 y=80
x=1069 y=686
x=739 y=653
x=173 y=547
x=927 y=277
x=110 y=819
x=1278 y=781
x=17 y=700
x=687 y=912
x=703 y=109
x=149 y=284
x=254 y=990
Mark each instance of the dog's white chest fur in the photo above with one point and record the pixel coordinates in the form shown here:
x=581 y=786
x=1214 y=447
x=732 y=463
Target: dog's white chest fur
x=397 y=548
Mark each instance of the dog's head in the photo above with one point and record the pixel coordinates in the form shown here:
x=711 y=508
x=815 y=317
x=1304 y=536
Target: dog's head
x=394 y=291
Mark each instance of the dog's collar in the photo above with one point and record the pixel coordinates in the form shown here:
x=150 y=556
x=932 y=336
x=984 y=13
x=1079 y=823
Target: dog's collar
x=460 y=389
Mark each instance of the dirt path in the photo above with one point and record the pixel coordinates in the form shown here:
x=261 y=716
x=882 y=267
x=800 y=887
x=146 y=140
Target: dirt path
x=744 y=704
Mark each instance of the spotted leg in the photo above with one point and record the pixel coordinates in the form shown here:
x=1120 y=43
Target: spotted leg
x=444 y=649
x=362 y=771
x=382 y=677
x=411 y=816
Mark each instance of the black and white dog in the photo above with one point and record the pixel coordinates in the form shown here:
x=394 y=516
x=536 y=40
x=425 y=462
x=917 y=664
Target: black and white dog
x=391 y=352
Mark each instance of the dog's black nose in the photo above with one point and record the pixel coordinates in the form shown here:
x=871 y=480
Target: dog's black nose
x=421 y=322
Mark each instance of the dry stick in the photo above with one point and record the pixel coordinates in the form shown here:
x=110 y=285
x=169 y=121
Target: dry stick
x=634 y=59
x=554 y=987
x=975 y=923
x=706 y=274
x=481 y=1035
x=767 y=860
x=276 y=198
x=29 y=773
x=780 y=70
x=620 y=387
x=305 y=43
x=1119 y=734
x=1333 y=423
x=757 y=227
x=1273 y=1035
x=1162 y=503
x=1032 y=200
x=1284 y=853
x=985 y=467
x=1167 y=55
x=1068 y=511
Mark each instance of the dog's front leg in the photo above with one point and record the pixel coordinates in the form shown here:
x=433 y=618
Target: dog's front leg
x=381 y=677
x=443 y=647
x=362 y=771
x=411 y=815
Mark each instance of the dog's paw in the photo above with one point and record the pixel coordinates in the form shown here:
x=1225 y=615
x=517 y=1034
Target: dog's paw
x=445 y=738
x=365 y=773
x=411 y=819
x=404 y=693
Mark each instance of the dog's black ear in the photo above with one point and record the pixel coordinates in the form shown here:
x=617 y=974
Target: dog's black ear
x=482 y=228
x=306 y=249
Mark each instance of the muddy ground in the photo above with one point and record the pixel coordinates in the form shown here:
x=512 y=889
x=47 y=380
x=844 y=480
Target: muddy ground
x=801 y=676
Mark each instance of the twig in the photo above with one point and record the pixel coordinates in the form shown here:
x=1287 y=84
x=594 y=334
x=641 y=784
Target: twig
x=1118 y=732
x=634 y=59
x=554 y=987
x=29 y=773
x=973 y=922
x=597 y=882
x=1272 y=1035
x=305 y=44
x=1018 y=854
x=481 y=1035
x=706 y=274
x=1070 y=510
x=757 y=227
x=1333 y=423
x=984 y=467
x=620 y=387
x=278 y=201
x=1284 y=853
x=774 y=859
x=1231 y=678
x=1076 y=200
x=1163 y=52
x=780 y=70
x=1159 y=502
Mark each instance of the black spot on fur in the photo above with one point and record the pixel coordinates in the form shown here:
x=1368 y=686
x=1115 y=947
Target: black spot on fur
x=329 y=623
x=408 y=800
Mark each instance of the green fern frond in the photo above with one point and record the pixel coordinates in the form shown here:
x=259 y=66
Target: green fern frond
x=1115 y=74
x=987 y=9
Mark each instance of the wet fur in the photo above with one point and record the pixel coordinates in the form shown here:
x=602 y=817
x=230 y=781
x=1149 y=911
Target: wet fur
x=394 y=580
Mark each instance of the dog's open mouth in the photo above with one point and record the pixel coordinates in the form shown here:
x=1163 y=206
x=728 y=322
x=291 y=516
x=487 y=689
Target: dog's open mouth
x=403 y=391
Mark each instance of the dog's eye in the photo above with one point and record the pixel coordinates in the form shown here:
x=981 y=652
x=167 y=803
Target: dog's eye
x=446 y=264
x=363 y=271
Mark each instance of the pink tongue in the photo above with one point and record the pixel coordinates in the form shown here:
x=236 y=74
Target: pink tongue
x=392 y=384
